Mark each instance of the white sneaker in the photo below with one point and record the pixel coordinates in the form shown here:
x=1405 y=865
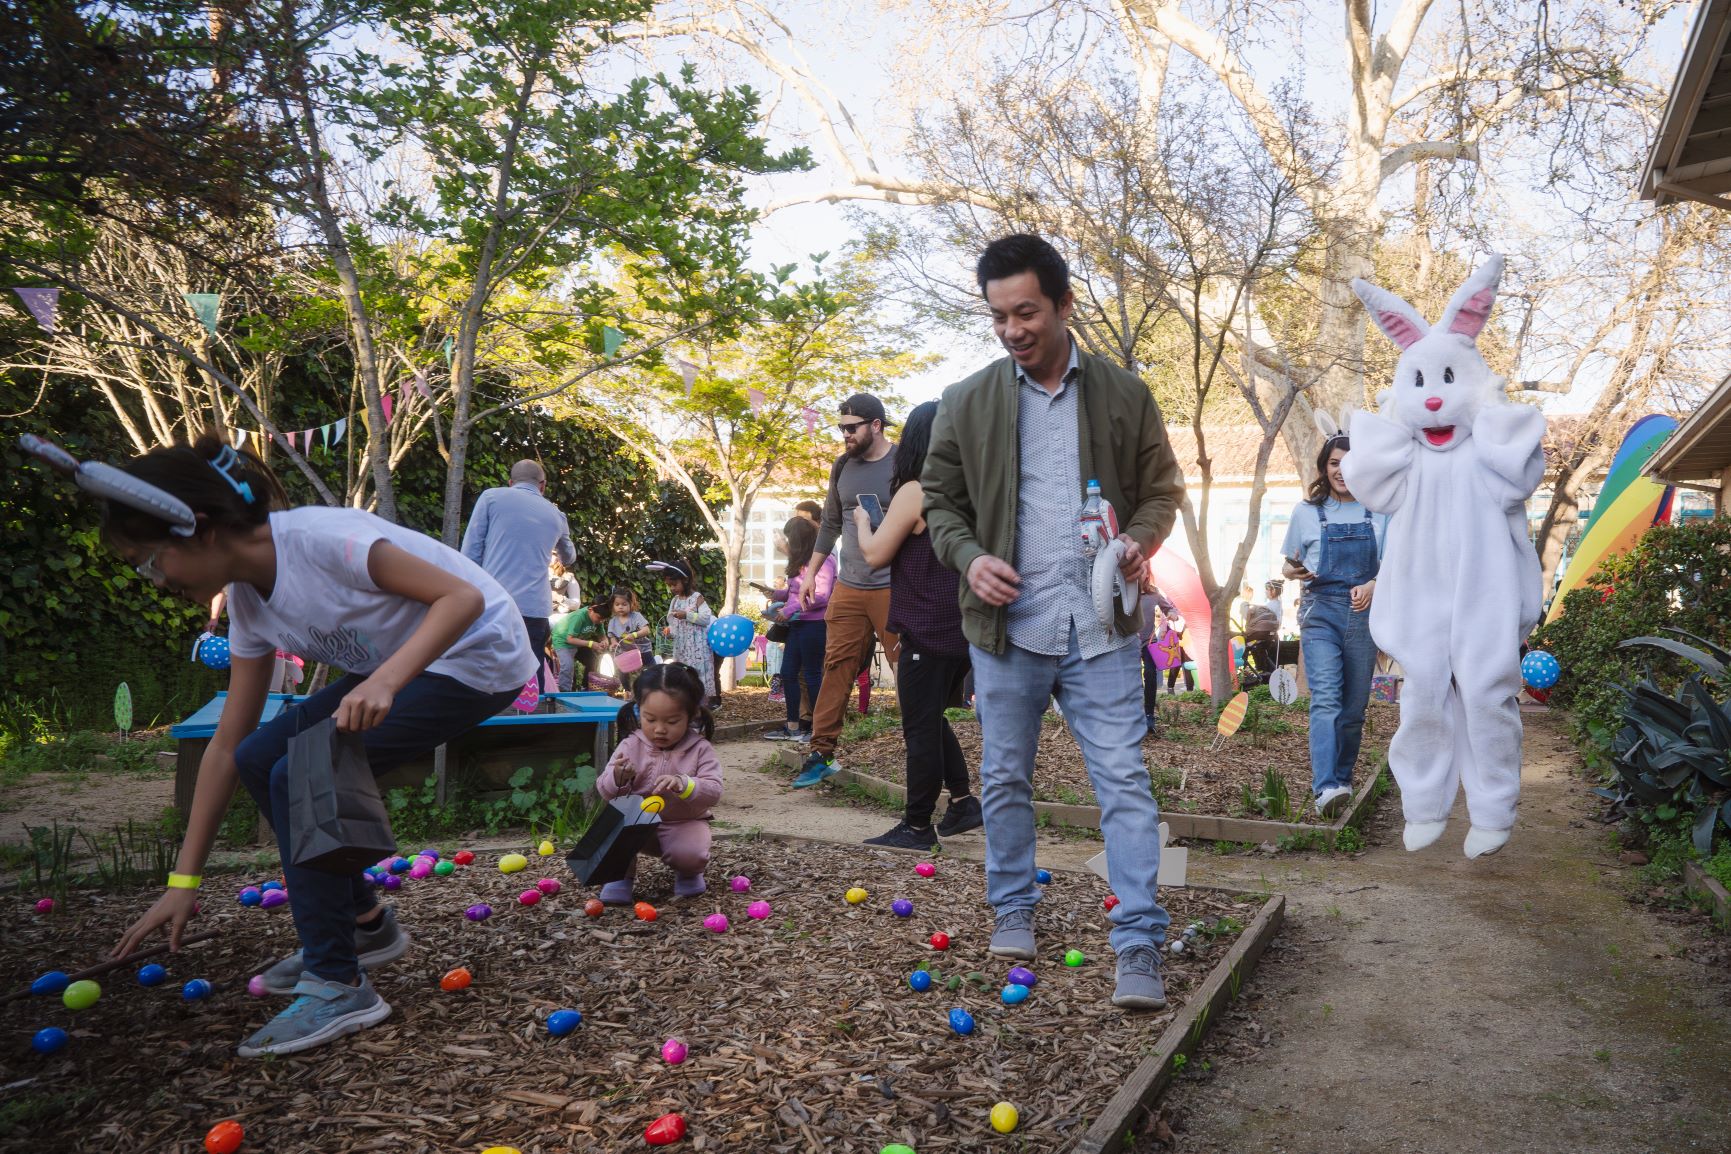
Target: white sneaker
x=1332 y=800
x=1422 y=833
x=1484 y=841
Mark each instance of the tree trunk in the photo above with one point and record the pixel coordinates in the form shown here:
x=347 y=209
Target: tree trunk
x=1220 y=686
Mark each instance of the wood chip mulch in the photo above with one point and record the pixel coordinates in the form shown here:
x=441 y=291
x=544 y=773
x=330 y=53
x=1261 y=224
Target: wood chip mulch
x=802 y=1029
x=1188 y=776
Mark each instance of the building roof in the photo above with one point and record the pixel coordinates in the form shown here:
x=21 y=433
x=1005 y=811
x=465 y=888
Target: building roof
x=1700 y=448
x=1232 y=453
x=1691 y=159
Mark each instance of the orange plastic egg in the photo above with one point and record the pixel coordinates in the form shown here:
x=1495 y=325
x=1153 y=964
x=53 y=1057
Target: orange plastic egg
x=457 y=979
x=224 y=1137
x=594 y=908
x=647 y=912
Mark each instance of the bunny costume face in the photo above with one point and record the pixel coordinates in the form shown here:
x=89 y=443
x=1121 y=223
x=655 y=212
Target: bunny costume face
x=1452 y=463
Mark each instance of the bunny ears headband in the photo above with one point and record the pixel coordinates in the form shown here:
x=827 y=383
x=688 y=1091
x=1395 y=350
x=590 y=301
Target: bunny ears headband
x=1330 y=430
x=112 y=484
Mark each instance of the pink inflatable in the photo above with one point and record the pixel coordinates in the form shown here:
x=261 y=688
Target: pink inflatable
x=1180 y=585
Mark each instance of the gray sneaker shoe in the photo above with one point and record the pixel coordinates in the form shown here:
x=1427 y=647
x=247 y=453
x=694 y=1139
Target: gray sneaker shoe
x=322 y=1012
x=1139 y=984
x=1014 y=936
x=383 y=941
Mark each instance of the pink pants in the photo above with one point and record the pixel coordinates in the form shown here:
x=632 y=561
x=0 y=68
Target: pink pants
x=684 y=846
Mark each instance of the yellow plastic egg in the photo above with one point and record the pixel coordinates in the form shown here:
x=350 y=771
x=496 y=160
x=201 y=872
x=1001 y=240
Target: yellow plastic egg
x=1004 y=1117
x=546 y=849
x=654 y=803
x=501 y=1150
x=512 y=862
x=855 y=896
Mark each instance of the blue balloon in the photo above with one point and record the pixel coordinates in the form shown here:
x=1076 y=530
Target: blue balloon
x=920 y=981
x=961 y=1021
x=731 y=635
x=562 y=1022
x=49 y=1040
x=53 y=982
x=151 y=975
x=1540 y=670
x=213 y=651
x=196 y=990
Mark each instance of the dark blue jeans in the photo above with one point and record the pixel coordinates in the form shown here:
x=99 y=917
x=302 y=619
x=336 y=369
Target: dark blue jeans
x=802 y=657
x=429 y=711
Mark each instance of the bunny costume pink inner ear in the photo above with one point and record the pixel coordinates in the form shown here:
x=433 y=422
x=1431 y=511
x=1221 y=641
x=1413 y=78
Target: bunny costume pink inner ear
x=1470 y=307
x=1473 y=314
x=1398 y=320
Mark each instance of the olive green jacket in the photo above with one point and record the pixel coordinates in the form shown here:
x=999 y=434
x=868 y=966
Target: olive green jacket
x=971 y=472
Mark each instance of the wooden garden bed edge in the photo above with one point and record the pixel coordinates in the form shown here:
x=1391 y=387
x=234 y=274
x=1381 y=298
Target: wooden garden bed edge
x=1698 y=882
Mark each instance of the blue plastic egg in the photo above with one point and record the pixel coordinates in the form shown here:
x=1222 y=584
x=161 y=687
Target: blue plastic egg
x=1540 y=670
x=1044 y=877
x=1014 y=994
x=961 y=1021
x=213 y=651
x=731 y=635
x=265 y=887
x=400 y=864
x=195 y=991
x=562 y=1022
x=920 y=980
x=152 y=975
x=250 y=896
x=49 y=1040
x=53 y=982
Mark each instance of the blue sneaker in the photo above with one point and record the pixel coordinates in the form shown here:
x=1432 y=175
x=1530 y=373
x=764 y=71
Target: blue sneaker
x=322 y=1011
x=817 y=768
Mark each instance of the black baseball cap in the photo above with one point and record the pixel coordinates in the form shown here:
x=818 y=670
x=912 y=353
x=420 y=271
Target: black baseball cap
x=865 y=406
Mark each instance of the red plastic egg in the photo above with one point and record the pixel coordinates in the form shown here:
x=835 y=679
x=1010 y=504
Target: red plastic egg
x=647 y=912
x=463 y=857
x=665 y=1130
x=594 y=907
x=940 y=941
x=457 y=979
x=224 y=1138
x=528 y=897
x=1111 y=902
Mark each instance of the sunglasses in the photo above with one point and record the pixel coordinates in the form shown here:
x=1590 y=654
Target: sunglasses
x=849 y=428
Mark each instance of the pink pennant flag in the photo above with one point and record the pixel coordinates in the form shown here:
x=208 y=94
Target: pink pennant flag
x=42 y=303
x=388 y=402
x=290 y=438
x=688 y=371
x=421 y=385
x=755 y=396
x=810 y=415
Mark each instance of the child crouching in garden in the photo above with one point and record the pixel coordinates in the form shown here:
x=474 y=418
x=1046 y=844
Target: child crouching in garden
x=665 y=750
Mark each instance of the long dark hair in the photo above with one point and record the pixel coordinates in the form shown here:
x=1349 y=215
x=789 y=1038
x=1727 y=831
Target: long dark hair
x=801 y=540
x=199 y=474
x=911 y=449
x=1320 y=489
x=678 y=681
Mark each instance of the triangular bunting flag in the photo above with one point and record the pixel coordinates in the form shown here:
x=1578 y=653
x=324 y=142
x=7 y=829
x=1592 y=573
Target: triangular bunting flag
x=421 y=386
x=810 y=415
x=340 y=427
x=240 y=438
x=688 y=371
x=611 y=339
x=205 y=307
x=388 y=402
x=450 y=352
x=42 y=303
x=755 y=396
x=290 y=438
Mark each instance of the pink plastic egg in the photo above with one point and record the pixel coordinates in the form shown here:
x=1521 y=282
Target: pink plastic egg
x=422 y=868
x=673 y=1051
x=926 y=869
x=716 y=923
x=255 y=986
x=757 y=910
x=44 y=905
x=740 y=884
x=548 y=886
x=528 y=897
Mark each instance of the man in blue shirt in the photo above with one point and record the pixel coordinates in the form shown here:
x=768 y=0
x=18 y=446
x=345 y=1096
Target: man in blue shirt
x=511 y=535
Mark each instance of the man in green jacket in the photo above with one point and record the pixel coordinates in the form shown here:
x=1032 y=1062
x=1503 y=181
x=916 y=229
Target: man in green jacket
x=1011 y=455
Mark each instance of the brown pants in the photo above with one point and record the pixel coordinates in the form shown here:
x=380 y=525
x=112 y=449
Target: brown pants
x=853 y=616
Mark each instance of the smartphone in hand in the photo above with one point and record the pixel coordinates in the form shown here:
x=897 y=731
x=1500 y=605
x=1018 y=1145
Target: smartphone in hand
x=873 y=507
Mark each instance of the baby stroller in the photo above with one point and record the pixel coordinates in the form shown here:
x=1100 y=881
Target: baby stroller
x=1261 y=636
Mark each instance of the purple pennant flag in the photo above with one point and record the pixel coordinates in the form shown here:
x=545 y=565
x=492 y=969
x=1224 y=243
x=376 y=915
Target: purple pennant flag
x=688 y=371
x=755 y=396
x=421 y=386
x=42 y=303
x=387 y=401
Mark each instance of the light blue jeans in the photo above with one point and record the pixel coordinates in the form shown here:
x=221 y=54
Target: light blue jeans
x=1339 y=659
x=1102 y=702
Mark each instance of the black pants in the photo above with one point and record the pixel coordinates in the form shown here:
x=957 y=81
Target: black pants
x=540 y=632
x=1150 y=682
x=802 y=662
x=1172 y=674
x=926 y=684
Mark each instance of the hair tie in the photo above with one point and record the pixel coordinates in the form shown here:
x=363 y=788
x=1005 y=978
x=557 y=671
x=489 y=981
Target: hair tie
x=223 y=462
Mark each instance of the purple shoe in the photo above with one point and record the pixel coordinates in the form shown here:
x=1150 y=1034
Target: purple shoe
x=617 y=893
x=687 y=887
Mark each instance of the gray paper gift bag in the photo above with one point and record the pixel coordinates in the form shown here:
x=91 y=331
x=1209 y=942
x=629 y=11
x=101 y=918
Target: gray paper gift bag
x=337 y=822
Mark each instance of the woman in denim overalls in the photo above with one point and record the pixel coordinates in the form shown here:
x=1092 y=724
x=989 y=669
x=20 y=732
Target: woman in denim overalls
x=1333 y=544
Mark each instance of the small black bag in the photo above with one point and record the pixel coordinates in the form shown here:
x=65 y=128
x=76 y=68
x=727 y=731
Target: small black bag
x=613 y=840
x=777 y=633
x=337 y=822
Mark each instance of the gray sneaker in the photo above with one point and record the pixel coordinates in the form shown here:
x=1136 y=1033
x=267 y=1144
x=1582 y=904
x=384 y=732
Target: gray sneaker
x=1014 y=936
x=383 y=941
x=322 y=1011
x=1139 y=984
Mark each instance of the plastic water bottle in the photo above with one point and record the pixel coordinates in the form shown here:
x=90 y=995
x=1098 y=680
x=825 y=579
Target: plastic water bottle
x=1093 y=520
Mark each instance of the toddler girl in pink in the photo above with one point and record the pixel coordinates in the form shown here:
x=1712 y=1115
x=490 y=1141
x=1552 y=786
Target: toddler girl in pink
x=664 y=750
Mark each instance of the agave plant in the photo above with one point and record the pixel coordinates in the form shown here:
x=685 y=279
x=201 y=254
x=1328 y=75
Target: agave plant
x=1673 y=752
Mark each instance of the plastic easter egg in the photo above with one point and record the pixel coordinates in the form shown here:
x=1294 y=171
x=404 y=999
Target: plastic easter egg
x=1540 y=670
x=81 y=995
x=44 y=905
x=274 y=898
x=645 y=911
x=224 y=1138
x=716 y=923
x=1044 y=877
x=757 y=910
x=196 y=990
x=256 y=987
x=961 y=1021
x=372 y=878
x=501 y=1150
x=53 y=982
x=549 y=886
x=562 y=1022
x=49 y=1040
x=674 y=1051
x=512 y=862
x=731 y=635
x=594 y=907
x=457 y=979
x=667 y=1129
x=445 y=868
x=400 y=865
x=1176 y=946
x=855 y=896
x=940 y=941
x=1111 y=902
x=1074 y=957
x=152 y=975
x=421 y=869
x=528 y=897
x=1014 y=994
x=271 y=885
x=1021 y=976
x=926 y=869
x=391 y=882
x=213 y=651
x=250 y=896
x=545 y=849
x=896 y=1148
x=1005 y=1117
x=919 y=981
x=902 y=908
x=479 y=912
x=740 y=884
x=429 y=852
x=463 y=857
x=654 y=803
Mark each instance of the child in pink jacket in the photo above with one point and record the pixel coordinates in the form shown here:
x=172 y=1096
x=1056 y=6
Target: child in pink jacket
x=664 y=750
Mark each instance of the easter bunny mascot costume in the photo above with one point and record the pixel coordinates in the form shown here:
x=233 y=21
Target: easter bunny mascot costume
x=1452 y=462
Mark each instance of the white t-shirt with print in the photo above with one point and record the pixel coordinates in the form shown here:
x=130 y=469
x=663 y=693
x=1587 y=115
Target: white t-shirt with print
x=325 y=606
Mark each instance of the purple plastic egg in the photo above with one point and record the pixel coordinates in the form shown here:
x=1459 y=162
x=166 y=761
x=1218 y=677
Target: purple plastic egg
x=757 y=910
x=716 y=923
x=273 y=899
x=740 y=884
x=255 y=986
x=479 y=912
x=1021 y=976
x=902 y=908
x=432 y=853
x=392 y=881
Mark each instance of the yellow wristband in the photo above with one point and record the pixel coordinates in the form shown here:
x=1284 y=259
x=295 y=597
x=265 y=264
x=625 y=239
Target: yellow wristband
x=184 y=881
x=690 y=788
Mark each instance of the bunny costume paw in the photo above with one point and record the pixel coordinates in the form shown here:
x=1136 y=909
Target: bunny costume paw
x=1452 y=463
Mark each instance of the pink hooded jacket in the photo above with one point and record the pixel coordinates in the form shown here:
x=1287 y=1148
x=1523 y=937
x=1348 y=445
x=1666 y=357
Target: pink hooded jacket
x=694 y=758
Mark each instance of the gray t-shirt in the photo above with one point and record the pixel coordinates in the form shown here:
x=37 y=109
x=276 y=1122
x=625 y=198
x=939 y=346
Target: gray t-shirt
x=848 y=478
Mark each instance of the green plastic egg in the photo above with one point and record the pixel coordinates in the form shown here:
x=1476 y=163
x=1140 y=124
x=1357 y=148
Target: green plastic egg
x=81 y=995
